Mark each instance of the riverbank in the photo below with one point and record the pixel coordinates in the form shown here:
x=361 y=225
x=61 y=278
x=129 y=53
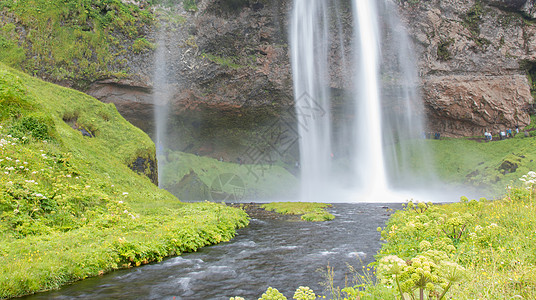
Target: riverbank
x=474 y=249
x=278 y=252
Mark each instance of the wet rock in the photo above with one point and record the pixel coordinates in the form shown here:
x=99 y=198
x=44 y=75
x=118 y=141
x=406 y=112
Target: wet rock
x=190 y=187
x=147 y=167
x=508 y=167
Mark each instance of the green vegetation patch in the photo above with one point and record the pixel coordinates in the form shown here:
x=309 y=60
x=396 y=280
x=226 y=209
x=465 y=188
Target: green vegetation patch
x=211 y=177
x=313 y=212
x=70 y=207
x=487 y=166
x=76 y=40
x=478 y=249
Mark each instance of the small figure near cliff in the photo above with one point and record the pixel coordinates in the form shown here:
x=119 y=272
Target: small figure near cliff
x=508 y=133
x=502 y=135
x=517 y=129
x=487 y=136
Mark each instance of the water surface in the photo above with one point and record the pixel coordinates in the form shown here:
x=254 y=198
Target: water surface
x=269 y=252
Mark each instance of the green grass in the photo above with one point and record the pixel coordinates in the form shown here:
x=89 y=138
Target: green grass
x=74 y=40
x=489 y=166
x=257 y=181
x=310 y=211
x=70 y=207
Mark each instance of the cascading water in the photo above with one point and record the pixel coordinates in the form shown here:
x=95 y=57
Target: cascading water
x=309 y=63
x=161 y=96
x=365 y=156
x=369 y=165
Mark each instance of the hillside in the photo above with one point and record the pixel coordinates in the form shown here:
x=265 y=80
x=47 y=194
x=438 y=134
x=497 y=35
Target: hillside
x=70 y=205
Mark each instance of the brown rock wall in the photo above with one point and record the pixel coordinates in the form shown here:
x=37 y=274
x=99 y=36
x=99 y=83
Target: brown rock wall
x=470 y=105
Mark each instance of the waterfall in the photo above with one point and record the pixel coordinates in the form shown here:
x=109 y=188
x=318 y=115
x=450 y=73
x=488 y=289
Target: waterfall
x=365 y=157
x=369 y=163
x=161 y=95
x=309 y=31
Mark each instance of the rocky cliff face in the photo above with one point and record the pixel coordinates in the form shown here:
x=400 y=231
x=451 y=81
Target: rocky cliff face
x=229 y=58
x=224 y=55
x=473 y=58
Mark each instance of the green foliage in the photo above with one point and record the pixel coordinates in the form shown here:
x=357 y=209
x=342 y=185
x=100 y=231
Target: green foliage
x=13 y=95
x=38 y=126
x=272 y=294
x=310 y=211
x=476 y=249
x=70 y=208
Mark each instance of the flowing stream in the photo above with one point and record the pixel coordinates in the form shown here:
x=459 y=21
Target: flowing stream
x=269 y=252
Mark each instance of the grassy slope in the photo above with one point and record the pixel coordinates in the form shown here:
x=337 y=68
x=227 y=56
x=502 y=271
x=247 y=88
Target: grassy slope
x=481 y=164
x=259 y=181
x=88 y=213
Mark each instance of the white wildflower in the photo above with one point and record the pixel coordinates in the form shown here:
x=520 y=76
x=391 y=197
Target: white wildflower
x=125 y=193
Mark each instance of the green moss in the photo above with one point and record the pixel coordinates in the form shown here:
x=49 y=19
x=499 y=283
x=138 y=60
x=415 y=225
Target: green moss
x=313 y=212
x=443 y=52
x=189 y=5
x=472 y=19
x=142 y=45
x=78 y=40
x=228 y=62
x=530 y=69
